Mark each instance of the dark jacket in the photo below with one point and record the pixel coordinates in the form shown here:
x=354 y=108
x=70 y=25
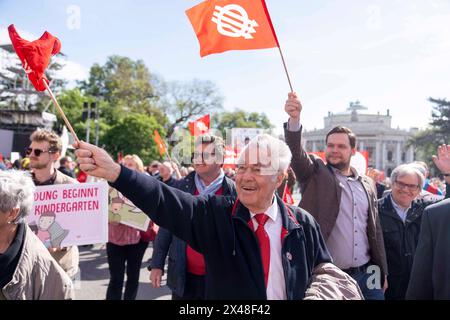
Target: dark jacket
x=321 y=196
x=431 y=268
x=165 y=242
x=400 y=240
x=211 y=226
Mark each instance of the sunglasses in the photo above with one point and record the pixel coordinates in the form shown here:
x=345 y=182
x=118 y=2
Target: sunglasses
x=37 y=152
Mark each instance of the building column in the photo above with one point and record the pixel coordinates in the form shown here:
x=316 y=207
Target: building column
x=361 y=146
x=383 y=156
x=377 y=155
x=410 y=155
x=314 y=146
x=399 y=154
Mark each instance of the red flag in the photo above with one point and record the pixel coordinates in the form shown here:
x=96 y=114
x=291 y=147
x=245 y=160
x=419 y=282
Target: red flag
x=222 y=25
x=35 y=55
x=119 y=157
x=199 y=126
x=160 y=143
x=287 y=196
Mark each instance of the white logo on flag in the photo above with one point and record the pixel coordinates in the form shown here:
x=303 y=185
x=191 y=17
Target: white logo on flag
x=232 y=24
x=201 y=126
x=26 y=67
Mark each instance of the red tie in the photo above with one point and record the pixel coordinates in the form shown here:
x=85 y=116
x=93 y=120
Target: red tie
x=264 y=243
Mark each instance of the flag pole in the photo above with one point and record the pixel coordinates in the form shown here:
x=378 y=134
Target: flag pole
x=61 y=112
x=285 y=68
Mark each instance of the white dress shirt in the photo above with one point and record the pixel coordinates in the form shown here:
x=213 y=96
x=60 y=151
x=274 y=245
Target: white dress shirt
x=276 y=286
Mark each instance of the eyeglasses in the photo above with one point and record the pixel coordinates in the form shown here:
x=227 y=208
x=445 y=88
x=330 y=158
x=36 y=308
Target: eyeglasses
x=204 y=156
x=37 y=152
x=410 y=187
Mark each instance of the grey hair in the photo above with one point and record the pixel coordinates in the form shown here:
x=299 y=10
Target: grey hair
x=16 y=191
x=275 y=151
x=406 y=169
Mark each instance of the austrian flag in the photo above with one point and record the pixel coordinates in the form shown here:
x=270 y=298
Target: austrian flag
x=222 y=25
x=199 y=126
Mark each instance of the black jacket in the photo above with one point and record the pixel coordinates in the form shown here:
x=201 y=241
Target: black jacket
x=400 y=240
x=230 y=247
x=431 y=269
x=165 y=242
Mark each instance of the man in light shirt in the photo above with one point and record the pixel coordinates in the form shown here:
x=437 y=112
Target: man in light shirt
x=342 y=201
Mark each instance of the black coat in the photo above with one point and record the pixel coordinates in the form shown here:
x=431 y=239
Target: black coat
x=400 y=240
x=230 y=247
x=166 y=243
x=430 y=275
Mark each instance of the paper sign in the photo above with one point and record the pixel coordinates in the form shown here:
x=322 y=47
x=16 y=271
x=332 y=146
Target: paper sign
x=64 y=215
x=125 y=212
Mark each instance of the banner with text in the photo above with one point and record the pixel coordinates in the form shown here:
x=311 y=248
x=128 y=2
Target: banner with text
x=70 y=214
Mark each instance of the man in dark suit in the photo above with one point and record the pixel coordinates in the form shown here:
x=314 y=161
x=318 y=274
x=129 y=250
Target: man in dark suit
x=342 y=201
x=186 y=271
x=254 y=246
x=431 y=267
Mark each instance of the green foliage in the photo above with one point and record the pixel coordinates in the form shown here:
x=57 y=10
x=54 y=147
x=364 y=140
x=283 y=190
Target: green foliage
x=240 y=119
x=184 y=101
x=438 y=133
x=133 y=135
x=125 y=85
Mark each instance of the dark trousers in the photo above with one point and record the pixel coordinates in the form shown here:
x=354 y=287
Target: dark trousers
x=194 y=288
x=118 y=256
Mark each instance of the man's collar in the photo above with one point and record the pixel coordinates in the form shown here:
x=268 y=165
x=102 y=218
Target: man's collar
x=272 y=211
x=354 y=172
x=50 y=181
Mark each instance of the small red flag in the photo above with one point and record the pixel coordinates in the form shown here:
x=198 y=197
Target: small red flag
x=119 y=157
x=199 y=126
x=35 y=56
x=159 y=143
x=222 y=25
x=287 y=196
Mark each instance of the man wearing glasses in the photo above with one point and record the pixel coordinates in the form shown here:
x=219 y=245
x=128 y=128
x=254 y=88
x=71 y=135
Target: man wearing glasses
x=43 y=152
x=401 y=213
x=186 y=270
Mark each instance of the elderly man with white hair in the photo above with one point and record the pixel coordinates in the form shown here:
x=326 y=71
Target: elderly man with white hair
x=255 y=247
x=401 y=213
x=27 y=270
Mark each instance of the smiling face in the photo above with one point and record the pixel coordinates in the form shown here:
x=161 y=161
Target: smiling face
x=205 y=161
x=339 y=152
x=256 y=183
x=405 y=189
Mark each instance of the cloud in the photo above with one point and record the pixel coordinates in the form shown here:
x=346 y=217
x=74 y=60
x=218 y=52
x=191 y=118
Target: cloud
x=72 y=72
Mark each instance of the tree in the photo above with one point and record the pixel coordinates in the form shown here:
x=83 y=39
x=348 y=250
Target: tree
x=183 y=101
x=126 y=86
x=71 y=102
x=133 y=135
x=240 y=119
x=438 y=132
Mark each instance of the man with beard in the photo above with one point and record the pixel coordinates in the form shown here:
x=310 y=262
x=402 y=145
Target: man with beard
x=43 y=152
x=342 y=201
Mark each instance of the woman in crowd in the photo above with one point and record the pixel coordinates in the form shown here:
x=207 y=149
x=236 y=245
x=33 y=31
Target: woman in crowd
x=27 y=270
x=125 y=249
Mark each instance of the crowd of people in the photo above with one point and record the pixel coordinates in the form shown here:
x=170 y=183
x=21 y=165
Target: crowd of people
x=227 y=233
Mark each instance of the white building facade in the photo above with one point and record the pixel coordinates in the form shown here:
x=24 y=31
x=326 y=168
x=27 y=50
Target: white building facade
x=387 y=147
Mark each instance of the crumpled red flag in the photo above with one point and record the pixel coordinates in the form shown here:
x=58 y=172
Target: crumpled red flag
x=35 y=55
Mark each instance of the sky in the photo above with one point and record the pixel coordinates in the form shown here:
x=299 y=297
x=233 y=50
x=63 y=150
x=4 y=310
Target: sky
x=388 y=54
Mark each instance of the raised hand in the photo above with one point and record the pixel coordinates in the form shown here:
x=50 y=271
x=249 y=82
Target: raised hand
x=293 y=107
x=442 y=160
x=96 y=161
